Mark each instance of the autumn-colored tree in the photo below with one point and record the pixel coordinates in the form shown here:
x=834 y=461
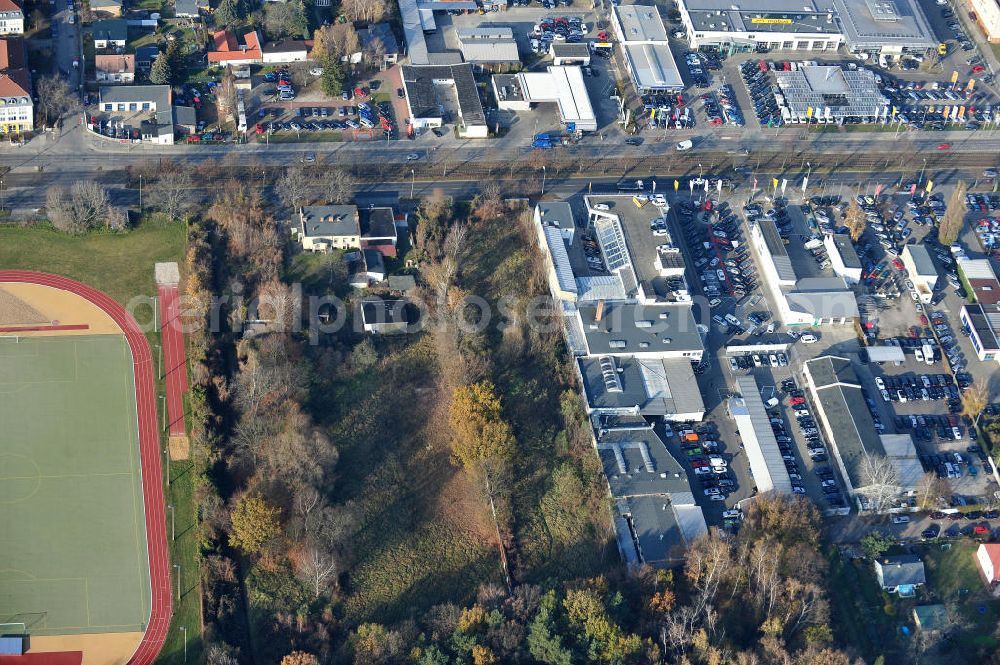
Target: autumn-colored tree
x=855 y=221
x=950 y=226
x=300 y=658
x=483 y=655
x=607 y=640
x=479 y=432
x=255 y=523
x=930 y=490
x=974 y=400
x=488 y=204
x=662 y=602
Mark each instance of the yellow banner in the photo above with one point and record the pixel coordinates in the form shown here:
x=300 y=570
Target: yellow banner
x=809 y=112
x=677 y=184
x=954 y=77
x=771 y=21
x=961 y=112
x=775 y=183
x=972 y=84
x=893 y=112
x=930 y=186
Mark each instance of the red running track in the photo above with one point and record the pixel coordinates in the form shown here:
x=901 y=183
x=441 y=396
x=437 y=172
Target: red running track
x=173 y=356
x=149 y=452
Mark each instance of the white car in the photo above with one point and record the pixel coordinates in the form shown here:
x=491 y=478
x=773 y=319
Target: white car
x=717 y=497
x=316 y=71
x=661 y=232
x=808 y=338
x=732 y=514
x=712 y=490
x=714 y=302
x=660 y=200
x=900 y=519
x=702 y=471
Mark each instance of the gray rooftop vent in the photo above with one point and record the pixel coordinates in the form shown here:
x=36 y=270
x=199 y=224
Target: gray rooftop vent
x=617 y=344
x=643 y=324
x=611 y=381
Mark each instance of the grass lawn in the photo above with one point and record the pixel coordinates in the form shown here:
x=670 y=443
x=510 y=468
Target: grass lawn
x=858 y=609
x=121 y=265
x=952 y=577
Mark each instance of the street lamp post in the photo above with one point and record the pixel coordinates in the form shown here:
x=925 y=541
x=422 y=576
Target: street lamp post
x=178 y=567
x=543 y=178
x=184 y=632
x=173 y=523
x=920 y=180
x=163 y=413
x=140 y=194
x=413 y=181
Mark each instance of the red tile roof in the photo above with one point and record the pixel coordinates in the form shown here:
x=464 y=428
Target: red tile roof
x=993 y=553
x=227 y=47
x=9 y=6
x=12 y=54
x=14 y=83
x=115 y=64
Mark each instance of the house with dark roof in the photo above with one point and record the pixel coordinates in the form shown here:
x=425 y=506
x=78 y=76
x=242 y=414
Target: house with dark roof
x=190 y=8
x=148 y=105
x=366 y=268
x=144 y=57
x=232 y=48
x=900 y=574
x=379 y=37
x=109 y=34
x=644 y=331
x=327 y=227
x=378 y=229
x=382 y=316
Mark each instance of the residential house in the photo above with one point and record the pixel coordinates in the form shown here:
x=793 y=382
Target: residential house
x=323 y=228
x=106 y=7
x=233 y=49
x=185 y=120
x=11 y=18
x=144 y=57
x=367 y=267
x=189 y=8
x=379 y=37
x=900 y=574
x=147 y=105
x=988 y=562
x=17 y=110
x=109 y=34
x=289 y=50
x=378 y=230
x=388 y=316
x=115 y=68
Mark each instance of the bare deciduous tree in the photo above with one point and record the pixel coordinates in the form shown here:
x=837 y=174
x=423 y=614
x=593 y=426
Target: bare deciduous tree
x=930 y=489
x=880 y=481
x=339 y=186
x=855 y=221
x=55 y=97
x=974 y=400
x=317 y=565
x=365 y=11
x=173 y=193
x=293 y=187
x=81 y=208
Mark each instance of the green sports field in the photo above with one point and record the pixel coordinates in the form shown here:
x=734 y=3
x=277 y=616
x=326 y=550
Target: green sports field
x=72 y=532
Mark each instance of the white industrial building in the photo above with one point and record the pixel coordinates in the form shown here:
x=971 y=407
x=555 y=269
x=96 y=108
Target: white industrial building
x=563 y=86
x=828 y=94
x=843 y=257
x=983 y=322
x=921 y=270
x=488 y=45
x=436 y=94
x=754 y=425
x=872 y=26
x=988 y=18
x=661 y=388
x=801 y=302
x=643 y=40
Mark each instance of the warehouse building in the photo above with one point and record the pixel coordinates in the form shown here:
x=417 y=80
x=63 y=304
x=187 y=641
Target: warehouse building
x=488 y=45
x=921 y=270
x=754 y=425
x=873 y=26
x=980 y=277
x=661 y=388
x=644 y=331
x=843 y=257
x=988 y=17
x=855 y=445
x=810 y=301
x=646 y=49
x=656 y=516
x=983 y=323
x=436 y=94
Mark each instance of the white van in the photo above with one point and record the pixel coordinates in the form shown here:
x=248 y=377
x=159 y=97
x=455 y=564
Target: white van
x=900 y=519
x=685 y=145
x=919 y=355
x=808 y=338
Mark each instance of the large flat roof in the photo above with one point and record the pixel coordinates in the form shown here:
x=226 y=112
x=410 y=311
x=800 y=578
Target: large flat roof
x=776 y=250
x=633 y=328
x=653 y=66
x=649 y=387
x=848 y=255
x=985 y=322
x=878 y=23
x=636 y=463
x=922 y=261
x=848 y=423
x=422 y=82
x=640 y=23
x=766 y=465
x=564 y=86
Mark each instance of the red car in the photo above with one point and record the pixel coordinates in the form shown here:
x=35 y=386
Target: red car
x=944 y=146
x=797 y=400
x=897 y=264
x=980 y=530
x=978 y=68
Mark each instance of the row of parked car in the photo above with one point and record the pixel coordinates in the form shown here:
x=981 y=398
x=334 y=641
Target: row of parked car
x=703 y=453
x=751 y=360
x=722 y=108
x=815 y=448
x=718 y=253
x=758 y=83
